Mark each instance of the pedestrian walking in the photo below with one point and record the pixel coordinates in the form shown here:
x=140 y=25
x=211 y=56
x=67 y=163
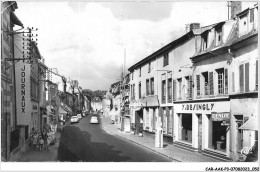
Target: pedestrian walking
x=41 y=142
x=44 y=137
x=35 y=140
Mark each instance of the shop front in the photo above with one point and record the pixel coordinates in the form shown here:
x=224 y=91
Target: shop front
x=202 y=126
x=136 y=115
x=244 y=128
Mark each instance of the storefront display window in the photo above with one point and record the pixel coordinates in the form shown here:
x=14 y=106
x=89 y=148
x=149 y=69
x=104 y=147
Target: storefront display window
x=217 y=134
x=186 y=127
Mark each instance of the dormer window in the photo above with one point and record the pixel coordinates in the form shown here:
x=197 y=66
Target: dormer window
x=204 y=38
x=218 y=38
x=166 y=59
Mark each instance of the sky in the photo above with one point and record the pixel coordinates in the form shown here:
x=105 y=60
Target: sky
x=86 y=40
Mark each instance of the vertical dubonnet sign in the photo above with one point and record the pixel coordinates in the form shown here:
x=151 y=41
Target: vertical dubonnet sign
x=22 y=75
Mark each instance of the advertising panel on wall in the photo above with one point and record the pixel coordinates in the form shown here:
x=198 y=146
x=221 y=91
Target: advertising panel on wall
x=22 y=75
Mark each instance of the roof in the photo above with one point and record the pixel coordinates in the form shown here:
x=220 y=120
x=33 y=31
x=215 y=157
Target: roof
x=250 y=124
x=164 y=49
x=15 y=19
x=213 y=49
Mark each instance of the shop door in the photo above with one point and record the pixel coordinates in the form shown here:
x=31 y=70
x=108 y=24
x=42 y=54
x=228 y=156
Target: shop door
x=199 y=132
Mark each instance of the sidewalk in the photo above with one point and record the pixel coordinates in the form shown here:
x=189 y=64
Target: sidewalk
x=170 y=151
x=33 y=155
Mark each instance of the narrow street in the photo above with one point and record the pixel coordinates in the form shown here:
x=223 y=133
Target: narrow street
x=90 y=143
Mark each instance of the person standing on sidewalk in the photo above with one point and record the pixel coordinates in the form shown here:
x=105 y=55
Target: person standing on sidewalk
x=44 y=136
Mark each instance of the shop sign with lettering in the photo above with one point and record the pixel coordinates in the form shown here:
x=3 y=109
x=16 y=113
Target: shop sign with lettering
x=198 y=106
x=220 y=116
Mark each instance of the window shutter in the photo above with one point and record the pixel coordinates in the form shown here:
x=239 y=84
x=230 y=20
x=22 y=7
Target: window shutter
x=247 y=77
x=241 y=78
x=211 y=84
x=226 y=81
x=233 y=82
x=198 y=85
x=173 y=89
x=190 y=87
x=251 y=15
x=256 y=79
x=168 y=120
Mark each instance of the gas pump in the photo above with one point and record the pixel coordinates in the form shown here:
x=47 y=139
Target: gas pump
x=159 y=135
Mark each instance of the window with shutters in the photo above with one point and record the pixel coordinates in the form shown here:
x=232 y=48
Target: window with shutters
x=152 y=86
x=149 y=67
x=211 y=83
x=198 y=84
x=147 y=87
x=140 y=71
x=241 y=78
x=140 y=93
x=173 y=89
x=222 y=81
x=206 y=83
x=170 y=90
x=247 y=77
x=233 y=82
x=190 y=87
x=133 y=91
x=179 y=88
x=132 y=75
x=256 y=79
x=244 y=77
x=166 y=59
x=163 y=91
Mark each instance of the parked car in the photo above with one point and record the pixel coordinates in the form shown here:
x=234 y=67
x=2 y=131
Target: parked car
x=79 y=116
x=94 y=120
x=74 y=119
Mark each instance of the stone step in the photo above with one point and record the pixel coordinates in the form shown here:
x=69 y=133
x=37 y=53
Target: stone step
x=216 y=155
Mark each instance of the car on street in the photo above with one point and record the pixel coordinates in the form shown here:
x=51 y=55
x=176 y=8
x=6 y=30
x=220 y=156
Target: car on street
x=94 y=120
x=79 y=116
x=74 y=119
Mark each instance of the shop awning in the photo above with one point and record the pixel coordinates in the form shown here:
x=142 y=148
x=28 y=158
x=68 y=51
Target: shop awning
x=251 y=124
x=66 y=108
x=62 y=111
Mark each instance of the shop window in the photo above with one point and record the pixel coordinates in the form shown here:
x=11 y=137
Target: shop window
x=186 y=131
x=166 y=59
x=163 y=91
x=179 y=88
x=170 y=90
x=154 y=118
x=152 y=86
x=147 y=87
x=217 y=135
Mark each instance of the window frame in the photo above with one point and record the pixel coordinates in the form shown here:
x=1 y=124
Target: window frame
x=165 y=59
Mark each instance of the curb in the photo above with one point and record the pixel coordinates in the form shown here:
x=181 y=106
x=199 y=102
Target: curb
x=173 y=159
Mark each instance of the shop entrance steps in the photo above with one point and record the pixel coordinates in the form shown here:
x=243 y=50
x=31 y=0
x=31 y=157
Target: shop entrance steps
x=185 y=146
x=216 y=155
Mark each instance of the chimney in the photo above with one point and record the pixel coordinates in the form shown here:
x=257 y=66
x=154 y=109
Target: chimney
x=194 y=26
x=236 y=7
